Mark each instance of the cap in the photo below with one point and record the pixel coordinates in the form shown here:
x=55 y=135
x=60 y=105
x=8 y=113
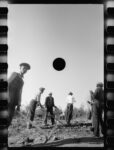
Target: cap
x=41 y=88
x=70 y=93
x=25 y=64
x=50 y=93
x=99 y=84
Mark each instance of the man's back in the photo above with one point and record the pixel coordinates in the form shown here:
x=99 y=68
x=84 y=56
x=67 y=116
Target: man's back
x=70 y=99
x=49 y=102
x=99 y=95
x=15 y=85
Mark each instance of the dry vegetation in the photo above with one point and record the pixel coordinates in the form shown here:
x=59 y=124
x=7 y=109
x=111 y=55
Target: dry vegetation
x=18 y=132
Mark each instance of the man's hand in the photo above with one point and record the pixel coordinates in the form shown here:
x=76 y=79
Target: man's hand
x=91 y=103
x=55 y=107
x=39 y=104
x=88 y=102
x=42 y=106
x=18 y=108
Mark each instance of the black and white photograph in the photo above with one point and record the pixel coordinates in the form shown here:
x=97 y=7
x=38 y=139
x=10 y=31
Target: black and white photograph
x=55 y=75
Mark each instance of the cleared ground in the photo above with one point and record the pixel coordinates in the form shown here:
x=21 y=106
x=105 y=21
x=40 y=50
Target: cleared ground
x=76 y=135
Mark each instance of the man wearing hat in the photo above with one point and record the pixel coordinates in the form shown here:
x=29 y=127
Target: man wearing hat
x=69 y=110
x=49 y=104
x=98 y=109
x=32 y=106
x=15 y=85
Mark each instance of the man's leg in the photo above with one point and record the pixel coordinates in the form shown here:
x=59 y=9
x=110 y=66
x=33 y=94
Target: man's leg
x=46 y=115
x=89 y=115
x=101 y=121
x=70 y=113
x=67 y=113
x=96 y=119
x=31 y=118
x=11 y=111
x=92 y=116
x=52 y=116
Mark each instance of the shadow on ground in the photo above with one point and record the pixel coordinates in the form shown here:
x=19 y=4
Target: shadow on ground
x=97 y=142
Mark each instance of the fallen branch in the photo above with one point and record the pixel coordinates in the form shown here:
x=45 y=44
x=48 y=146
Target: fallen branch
x=52 y=131
x=47 y=138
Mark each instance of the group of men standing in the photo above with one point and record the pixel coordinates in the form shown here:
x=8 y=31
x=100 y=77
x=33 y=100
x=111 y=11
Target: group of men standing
x=49 y=104
x=15 y=85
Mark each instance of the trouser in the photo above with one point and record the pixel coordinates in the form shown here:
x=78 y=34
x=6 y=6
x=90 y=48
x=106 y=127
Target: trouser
x=30 y=116
x=89 y=115
x=11 y=111
x=69 y=112
x=97 y=118
x=92 y=115
x=49 y=110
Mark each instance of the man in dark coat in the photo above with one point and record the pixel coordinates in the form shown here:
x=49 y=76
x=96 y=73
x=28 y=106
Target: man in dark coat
x=98 y=109
x=15 y=85
x=49 y=104
x=32 y=106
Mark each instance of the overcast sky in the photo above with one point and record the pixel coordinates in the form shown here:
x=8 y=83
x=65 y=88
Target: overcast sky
x=40 y=33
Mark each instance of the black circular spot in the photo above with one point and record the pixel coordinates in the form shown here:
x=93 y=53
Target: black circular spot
x=59 y=64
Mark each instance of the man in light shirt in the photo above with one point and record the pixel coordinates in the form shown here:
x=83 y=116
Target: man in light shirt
x=32 y=106
x=70 y=100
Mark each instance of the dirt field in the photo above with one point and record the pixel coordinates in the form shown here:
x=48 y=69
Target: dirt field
x=78 y=134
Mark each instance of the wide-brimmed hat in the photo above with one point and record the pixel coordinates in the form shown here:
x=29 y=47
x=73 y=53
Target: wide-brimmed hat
x=99 y=84
x=25 y=64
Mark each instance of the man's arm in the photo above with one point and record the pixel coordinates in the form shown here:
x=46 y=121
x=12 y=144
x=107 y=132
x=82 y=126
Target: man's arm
x=96 y=94
x=19 y=100
x=38 y=101
x=40 y=105
x=12 y=77
x=73 y=100
x=91 y=103
x=54 y=103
